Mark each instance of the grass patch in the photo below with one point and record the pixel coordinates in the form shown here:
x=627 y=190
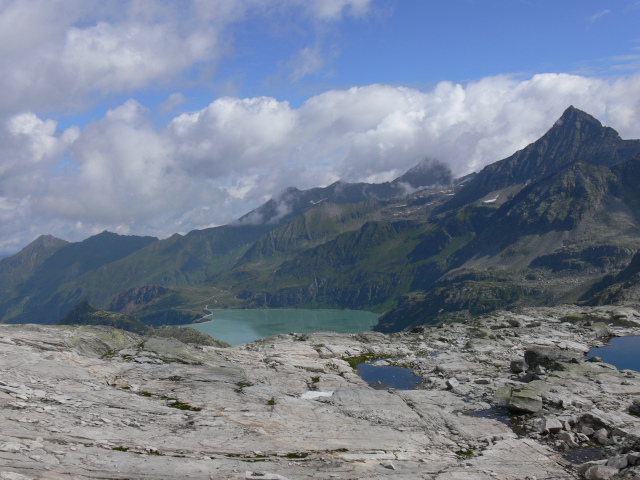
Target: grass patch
x=175 y=403
x=241 y=386
x=367 y=357
x=297 y=455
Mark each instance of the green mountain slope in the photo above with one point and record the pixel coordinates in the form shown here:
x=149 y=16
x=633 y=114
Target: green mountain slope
x=548 y=241
x=17 y=269
x=85 y=314
x=547 y=245
x=30 y=301
x=558 y=221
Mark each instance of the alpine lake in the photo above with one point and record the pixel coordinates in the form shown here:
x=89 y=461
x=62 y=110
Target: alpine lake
x=244 y=326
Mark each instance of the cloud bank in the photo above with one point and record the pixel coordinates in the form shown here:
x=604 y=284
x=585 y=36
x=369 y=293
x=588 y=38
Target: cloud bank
x=64 y=54
x=124 y=173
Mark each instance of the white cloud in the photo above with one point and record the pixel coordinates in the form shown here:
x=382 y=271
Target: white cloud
x=594 y=18
x=331 y=9
x=209 y=167
x=64 y=53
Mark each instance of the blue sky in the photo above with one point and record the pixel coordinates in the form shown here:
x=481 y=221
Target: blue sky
x=410 y=43
x=151 y=117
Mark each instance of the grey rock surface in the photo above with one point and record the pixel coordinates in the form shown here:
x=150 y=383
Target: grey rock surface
x=95 y=402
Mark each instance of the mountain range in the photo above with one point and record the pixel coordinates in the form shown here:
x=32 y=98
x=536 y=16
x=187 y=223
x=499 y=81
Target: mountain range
x=556 y=222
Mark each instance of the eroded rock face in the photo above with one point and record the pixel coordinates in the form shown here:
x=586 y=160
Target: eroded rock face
x=100 y=403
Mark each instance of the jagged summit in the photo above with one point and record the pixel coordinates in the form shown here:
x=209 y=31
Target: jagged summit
x=578 y=122
x=292 y=202
x=426 y=173
x=576 y=135
x=568 y=213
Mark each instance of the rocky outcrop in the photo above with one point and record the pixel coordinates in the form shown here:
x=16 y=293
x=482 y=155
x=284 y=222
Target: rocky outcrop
x=96 y=402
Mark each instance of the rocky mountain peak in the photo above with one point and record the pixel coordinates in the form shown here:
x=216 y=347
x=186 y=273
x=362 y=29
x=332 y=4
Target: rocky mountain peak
x=426 y=173
x=576 y=135
x=580 y=126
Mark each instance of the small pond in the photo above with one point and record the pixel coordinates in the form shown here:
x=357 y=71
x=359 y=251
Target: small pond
x=583 y=455
x=382 y=377
x=623 y=352
x=244 y=326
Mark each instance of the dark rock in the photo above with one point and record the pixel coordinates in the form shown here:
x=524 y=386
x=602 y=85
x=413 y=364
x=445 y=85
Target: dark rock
x=633 y=458
x=514 y=323
x=550 y=358
x=619 y=462
x=452 y=383
x=518 y=366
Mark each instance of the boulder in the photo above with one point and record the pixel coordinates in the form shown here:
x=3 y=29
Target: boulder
x=600 y=472
x=619 y=462
x=601 y=330
x=633 y=458
x=601 y=436
x=452 y=383
x=518 y=366
x=550 y=358
x=551 y=425
x=525 y=401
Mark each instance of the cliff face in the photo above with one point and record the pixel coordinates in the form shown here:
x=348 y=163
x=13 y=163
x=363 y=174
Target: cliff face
x=293 y=405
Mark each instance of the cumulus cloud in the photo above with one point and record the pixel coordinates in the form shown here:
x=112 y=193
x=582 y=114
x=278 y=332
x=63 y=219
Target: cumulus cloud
x=126 y=174
x=64 y=53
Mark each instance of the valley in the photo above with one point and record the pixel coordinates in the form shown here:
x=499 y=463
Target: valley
x=557 y=222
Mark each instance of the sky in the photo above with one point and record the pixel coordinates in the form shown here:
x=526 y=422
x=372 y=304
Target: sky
x=151 y=117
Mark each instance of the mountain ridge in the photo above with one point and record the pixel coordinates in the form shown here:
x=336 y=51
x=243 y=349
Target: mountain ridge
x=542 y=226
x=576 y=135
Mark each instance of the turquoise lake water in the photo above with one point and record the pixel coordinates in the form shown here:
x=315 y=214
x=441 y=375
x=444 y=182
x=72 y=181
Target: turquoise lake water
x=243 y=326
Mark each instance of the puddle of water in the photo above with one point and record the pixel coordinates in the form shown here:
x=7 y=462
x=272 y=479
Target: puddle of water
x=621 y=352
x=387 y=376
x=514 y=422
x=494 y=413
x=583 y=454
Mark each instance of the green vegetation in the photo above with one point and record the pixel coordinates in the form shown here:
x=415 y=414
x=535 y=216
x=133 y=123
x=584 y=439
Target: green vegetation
x=565 y=207
x=85 y=314
x=175 y=403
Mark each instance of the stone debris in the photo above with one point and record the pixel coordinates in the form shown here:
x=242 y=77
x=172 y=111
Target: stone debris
x=506 y=396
